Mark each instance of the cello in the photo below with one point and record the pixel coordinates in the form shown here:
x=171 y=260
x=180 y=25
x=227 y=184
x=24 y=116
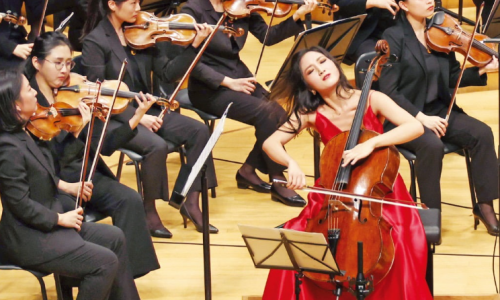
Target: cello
x=346 y=221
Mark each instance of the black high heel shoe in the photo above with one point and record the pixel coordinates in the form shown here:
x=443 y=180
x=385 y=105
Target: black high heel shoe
x=479 y=216
x=244 y=183
x=199 y=227
x=161 y=233
x=296 y=200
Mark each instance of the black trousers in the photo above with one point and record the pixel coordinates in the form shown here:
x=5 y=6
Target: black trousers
x=179 y=130
x=253 y=110
x=124 y=206
x=466 y=132
x=101 y=264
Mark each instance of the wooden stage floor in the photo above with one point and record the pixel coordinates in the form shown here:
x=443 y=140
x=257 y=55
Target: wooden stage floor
x=463 y=263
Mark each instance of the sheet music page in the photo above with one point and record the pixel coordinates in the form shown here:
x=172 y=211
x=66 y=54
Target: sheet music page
x=206 y=152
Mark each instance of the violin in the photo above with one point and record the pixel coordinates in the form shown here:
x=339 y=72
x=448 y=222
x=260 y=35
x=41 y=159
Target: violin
x=178 y=29
x=444 y=34
x=80 y=89
x=243 y=8
x=12 y=18
x=345 y=221
x=47 y=122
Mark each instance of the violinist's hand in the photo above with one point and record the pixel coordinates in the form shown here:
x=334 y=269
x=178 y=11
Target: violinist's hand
x=296 y=178
x=202 y=31
x=144 y=102
x=492 y=66
x=436 y=124
x=73 y=188
x=23 y=50
x=309 y=6
x=390 y=5
x=85 y=112
x=357 y=153
x=151 y=122
x=71 y=219
x=245 y=85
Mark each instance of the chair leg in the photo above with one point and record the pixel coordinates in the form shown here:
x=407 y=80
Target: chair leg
x=120 y=166
x=469 y=175
x=138 y=178
x=182 y=155
x=42 y=286
x=317 y=154
x=429 y=274
x=213 y=193
x=413 y=185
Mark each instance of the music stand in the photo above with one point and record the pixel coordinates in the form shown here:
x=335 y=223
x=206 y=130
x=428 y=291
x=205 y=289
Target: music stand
x=335 y=37
x=189 y=174
x=284 y=249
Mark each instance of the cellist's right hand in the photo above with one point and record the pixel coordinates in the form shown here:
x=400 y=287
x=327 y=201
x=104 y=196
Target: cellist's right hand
x=296 y=178
x=71 y=219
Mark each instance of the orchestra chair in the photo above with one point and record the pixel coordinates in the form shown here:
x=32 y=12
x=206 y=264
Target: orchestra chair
x=360 y=72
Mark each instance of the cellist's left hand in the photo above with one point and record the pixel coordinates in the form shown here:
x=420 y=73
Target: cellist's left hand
x=492 y=66
x=357 y=153
x=309 y=6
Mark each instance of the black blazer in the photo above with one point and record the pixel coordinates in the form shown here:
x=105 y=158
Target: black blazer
x=376 y=21
x=29 y=233
x=405 y=81
x=103 y=54
x=11 y=35
x=220 y=59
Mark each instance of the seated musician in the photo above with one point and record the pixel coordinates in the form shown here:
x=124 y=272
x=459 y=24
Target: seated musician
x=104 y=49
x=380 y=16
x=319 y=97
x=220 y=77
x=14 y=46
x=47 y=69
x=420 y=82
x=35 y=232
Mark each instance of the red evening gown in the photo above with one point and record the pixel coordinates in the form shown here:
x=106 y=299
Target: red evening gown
x=405 y=280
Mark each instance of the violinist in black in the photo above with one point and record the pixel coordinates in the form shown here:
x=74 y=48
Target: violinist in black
x=48 y=66
x=220 y=77
x=420 y=82
x=14 y=46
x=35 y=232
x=104 y=49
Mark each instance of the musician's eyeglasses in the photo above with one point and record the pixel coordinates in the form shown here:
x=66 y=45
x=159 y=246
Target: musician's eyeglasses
x=59 y=64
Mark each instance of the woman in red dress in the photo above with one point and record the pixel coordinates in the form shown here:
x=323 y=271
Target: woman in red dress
x=319 y=97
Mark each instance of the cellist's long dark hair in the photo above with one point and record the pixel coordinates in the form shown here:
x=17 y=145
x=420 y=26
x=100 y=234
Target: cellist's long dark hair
x=296 y=95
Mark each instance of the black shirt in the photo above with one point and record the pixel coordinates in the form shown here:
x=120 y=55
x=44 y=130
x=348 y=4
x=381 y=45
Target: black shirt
x=432 y=105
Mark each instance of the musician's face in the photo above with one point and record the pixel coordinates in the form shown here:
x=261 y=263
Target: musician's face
x=126 y=11
x=56 y=66
x=26 y=104
x=320 y=73
x=418 y=8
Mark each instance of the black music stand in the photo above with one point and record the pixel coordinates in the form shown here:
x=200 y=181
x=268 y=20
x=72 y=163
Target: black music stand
x=284 y=249
x=335 y=37
x=188 y=175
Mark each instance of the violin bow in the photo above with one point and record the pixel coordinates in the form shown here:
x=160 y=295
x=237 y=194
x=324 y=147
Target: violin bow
x=265 y=39
x=42 y=17
x=86 y=153
x=395 y=202
x=108 y=117
x=64 y=23
x=193 y=64
x=454 y=95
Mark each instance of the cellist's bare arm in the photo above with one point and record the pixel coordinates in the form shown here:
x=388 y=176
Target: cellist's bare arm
x=273 y=147
x=408 y=128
